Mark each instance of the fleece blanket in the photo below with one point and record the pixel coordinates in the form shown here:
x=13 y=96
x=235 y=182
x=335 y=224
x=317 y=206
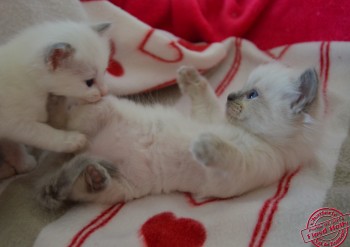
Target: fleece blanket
x=267 y=23
x=288 y=213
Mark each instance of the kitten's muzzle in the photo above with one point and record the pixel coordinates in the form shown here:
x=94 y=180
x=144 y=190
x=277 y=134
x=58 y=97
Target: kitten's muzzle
x=234 y=108
x=234 y=105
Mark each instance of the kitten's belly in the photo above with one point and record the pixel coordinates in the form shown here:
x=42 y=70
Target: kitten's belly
x=147 y=154
x=114 y=142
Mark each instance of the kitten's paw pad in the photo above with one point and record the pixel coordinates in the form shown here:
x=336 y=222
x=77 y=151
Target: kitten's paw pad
x=205 y=148
x=74 y=142
x=188 y=78
x=96 y=178
x=50 y=197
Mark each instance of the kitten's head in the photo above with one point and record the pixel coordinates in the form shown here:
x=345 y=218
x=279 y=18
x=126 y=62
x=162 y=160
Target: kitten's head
x=74 y=57
x=275 y=102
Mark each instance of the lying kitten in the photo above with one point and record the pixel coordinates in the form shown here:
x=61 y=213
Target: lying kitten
x=62 y=58
x=138 y=150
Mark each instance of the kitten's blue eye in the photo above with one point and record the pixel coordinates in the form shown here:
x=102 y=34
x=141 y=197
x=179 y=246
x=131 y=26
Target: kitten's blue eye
x=252 y=94
x=90 y=82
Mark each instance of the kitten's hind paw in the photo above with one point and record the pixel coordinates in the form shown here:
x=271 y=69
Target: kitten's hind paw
x=190 y=80
x=54 y=192
x=50 y=197
x=96 y=177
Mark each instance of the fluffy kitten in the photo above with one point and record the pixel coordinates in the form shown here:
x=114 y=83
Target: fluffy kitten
x=138 y=150
x=62 y=58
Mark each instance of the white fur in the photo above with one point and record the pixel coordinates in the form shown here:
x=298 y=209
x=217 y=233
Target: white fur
x=155 y=149
x=27 y=77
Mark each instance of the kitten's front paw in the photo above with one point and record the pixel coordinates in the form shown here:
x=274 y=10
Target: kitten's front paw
x=206 y=149
x=74 y=141
x=190 y=80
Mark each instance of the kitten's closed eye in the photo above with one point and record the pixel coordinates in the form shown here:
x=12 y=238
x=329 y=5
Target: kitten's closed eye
x=252 y=94
x=90 y=82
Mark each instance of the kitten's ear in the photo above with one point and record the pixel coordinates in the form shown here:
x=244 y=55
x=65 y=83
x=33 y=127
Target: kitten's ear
x=101 y=27
x=308 y=89
x=58 y=54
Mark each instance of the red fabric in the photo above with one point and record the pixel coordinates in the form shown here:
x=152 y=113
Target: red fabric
x=197 y=20
x=268 y=23
x=294 y=21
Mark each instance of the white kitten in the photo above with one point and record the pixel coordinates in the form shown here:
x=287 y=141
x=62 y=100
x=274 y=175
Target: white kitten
x=61 y=58
x=138 y=150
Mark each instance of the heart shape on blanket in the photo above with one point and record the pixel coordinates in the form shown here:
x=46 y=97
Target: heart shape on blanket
x=114 y=67
x=165 y=230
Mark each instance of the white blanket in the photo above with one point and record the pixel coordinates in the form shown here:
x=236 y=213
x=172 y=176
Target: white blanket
x=145 y=59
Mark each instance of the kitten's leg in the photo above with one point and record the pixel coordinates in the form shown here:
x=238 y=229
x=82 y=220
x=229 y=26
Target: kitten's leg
x=45 y=137
x=232 y=171
x=81 y=179
x=6 y=170
x=14 y=159
x=57 y=107
x=211 y=150
x=205 y=106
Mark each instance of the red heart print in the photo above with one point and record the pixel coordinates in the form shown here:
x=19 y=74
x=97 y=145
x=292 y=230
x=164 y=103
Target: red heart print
x=114 y=67
x=165 y=230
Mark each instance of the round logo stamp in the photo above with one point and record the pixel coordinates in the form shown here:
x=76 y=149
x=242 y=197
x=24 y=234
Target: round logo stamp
x=326 y=227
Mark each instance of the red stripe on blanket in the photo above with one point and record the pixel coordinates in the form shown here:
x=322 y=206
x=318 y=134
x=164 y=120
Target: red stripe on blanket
x=268 y=211
x=263 y=211
x=324 y=70
x=275 y=208
x=280 y=54
x=145 y=40
x=100 y=221
x=233 y=70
